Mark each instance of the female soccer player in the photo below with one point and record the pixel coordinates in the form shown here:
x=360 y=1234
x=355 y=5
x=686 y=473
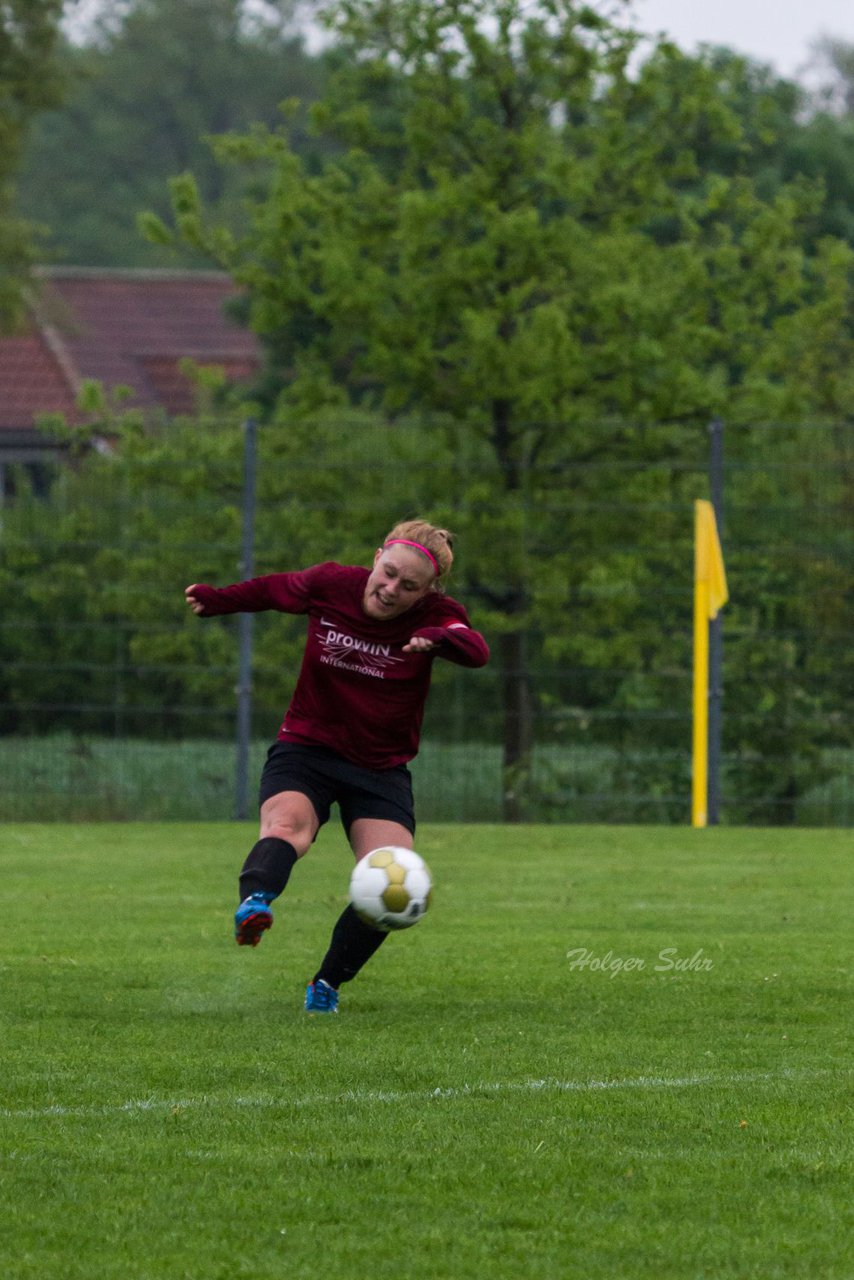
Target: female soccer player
x=354 y=720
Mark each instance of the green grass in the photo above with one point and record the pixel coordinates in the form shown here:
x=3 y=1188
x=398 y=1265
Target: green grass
x=480 y=1106
x=88 y=778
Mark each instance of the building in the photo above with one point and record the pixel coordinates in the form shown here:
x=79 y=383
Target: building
x=120 y=328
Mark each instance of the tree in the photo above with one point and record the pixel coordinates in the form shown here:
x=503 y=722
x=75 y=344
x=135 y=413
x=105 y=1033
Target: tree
x=788 y=132
x=515 y=237
x=29 y=80
x=96 y=632
x=151 y=82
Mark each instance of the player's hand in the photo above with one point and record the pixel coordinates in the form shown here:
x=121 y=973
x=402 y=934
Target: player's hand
x=195 y=605
x=419 y=644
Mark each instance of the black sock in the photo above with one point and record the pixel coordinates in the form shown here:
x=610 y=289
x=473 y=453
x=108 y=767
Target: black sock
x=353 y=943
x=268 y=867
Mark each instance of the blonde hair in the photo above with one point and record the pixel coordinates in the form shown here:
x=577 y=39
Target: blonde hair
x=439 y=543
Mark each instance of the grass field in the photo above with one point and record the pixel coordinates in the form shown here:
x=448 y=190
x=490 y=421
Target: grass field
x=616 y=1053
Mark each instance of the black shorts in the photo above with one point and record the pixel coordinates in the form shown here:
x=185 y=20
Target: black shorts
x=327 y=778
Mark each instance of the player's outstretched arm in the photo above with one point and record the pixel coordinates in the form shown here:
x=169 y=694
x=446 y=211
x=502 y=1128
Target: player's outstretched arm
x=457 y=642
x=287 y=592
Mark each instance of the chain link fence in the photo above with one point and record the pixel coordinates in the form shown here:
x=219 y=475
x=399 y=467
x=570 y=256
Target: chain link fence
x=116 y=703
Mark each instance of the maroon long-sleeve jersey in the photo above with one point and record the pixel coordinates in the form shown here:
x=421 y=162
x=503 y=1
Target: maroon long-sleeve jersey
x=357 y=691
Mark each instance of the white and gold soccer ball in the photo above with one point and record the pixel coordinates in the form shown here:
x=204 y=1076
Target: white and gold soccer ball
x=390 y=888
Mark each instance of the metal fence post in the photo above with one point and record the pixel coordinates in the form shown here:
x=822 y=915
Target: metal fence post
x=244 y=633
x=716 y=641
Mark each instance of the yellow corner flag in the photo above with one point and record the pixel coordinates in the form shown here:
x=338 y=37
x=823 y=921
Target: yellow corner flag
x=710 y=595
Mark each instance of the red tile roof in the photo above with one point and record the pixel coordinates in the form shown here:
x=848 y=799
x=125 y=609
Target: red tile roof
x=31 y=381
x=123 y=328
x=174 y=390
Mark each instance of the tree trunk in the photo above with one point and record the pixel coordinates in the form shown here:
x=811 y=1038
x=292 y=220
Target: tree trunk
x=516 y=689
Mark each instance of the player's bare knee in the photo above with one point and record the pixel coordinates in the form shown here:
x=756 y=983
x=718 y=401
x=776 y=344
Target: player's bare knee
x=297 y=834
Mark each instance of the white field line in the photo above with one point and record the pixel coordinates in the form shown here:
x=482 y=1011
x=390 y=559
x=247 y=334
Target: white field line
x=362 y=1097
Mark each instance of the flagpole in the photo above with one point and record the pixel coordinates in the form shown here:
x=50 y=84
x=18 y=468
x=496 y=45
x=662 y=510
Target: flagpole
x=700 y=744
x=710 y=594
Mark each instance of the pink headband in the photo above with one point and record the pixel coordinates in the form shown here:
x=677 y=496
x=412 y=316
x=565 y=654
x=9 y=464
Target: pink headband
x=418 y=547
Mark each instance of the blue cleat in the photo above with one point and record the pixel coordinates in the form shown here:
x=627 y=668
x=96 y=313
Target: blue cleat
x=321 y=998
x=252 y=918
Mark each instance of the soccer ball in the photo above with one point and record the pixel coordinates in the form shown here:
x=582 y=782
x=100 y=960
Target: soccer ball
x=390 y=888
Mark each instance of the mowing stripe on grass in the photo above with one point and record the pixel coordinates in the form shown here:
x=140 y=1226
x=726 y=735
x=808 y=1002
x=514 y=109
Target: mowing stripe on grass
x=370 y=1096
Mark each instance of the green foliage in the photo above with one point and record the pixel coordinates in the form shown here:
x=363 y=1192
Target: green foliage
x=788 y=661
x=149 y=86
x=29 y=83
x=487 y=243
x=789 y=133
x=96 y=581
